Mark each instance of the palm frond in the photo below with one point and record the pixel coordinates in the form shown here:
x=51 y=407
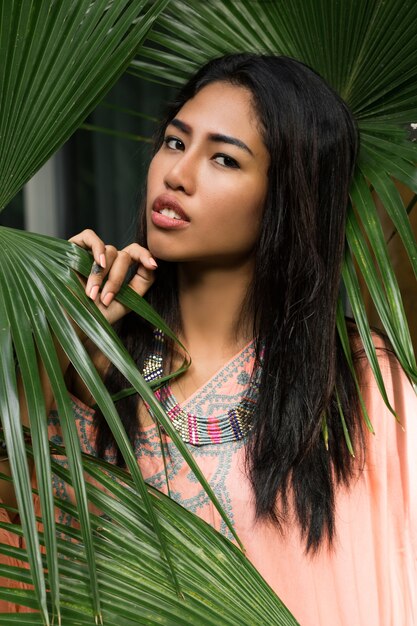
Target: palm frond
x=218 y=582
x=58 y=61
x=35 y=278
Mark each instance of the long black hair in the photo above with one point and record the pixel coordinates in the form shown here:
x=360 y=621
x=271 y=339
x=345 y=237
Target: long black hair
x=312 y=141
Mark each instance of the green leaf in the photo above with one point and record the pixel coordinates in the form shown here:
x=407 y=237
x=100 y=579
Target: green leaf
x=118 y=356
x=58 y=61
x=367 y=212
x=344 y=426
x=355 y=298
x=10 y=418
x=348 y=43
x=384 y=291
x=220 y=585
x=35 y=265
x=394 y=206
x=26 y=356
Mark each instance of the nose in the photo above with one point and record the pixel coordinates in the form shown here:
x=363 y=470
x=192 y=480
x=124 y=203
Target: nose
x=181 y=176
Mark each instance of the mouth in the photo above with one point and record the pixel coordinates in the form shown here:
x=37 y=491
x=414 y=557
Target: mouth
x=168 y=206
x=167 y=213
x=170 y=213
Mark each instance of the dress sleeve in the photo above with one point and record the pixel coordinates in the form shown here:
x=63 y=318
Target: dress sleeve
x=391 y=468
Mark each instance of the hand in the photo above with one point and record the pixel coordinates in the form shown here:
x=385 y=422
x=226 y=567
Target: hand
x=113 y=263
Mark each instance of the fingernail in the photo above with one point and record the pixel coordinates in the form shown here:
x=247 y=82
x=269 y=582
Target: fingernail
x=94 y=292
x=153 y=262
x=103 y=260
x=107 y=298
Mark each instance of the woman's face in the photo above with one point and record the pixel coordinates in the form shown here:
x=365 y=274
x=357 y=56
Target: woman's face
x=207 y=183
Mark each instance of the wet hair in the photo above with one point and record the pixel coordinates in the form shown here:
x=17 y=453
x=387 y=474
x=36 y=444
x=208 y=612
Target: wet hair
x=312 y=141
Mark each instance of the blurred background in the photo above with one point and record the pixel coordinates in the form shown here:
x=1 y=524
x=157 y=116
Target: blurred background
x=96 y=179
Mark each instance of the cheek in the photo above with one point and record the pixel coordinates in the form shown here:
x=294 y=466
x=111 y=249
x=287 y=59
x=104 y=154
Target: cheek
x=251 y=216
x=238 y=220
x=249 y=204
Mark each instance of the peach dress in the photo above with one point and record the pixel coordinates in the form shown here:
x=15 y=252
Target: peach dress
x=369 y=577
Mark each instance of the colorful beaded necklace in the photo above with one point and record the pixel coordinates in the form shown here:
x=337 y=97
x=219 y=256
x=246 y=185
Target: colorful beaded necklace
x=197 y=430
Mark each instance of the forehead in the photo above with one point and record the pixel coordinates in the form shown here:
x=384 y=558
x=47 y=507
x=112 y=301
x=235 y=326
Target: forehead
x=222 y=108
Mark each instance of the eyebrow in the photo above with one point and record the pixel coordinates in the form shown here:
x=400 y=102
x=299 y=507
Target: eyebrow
x=217 y=137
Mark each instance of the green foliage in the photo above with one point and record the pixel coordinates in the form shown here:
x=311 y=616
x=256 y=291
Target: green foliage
x=135 y=583
x=58 y=61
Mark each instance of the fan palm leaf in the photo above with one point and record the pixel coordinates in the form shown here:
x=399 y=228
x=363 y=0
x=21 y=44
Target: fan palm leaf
x=135 y=587
x=58 y=61
x=63 y=60
x=55 y=58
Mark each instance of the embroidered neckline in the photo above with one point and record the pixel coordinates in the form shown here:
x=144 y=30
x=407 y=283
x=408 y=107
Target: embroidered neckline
x=197 y=430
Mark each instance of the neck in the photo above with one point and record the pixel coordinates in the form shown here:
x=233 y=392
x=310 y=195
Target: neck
x=211 y=300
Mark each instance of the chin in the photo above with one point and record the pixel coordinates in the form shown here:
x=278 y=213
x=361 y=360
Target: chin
x=163 y=246
x=162 y=252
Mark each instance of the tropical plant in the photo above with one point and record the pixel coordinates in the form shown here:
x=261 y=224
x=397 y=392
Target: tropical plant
x=58 y=61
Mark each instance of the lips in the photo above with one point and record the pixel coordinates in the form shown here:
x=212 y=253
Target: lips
x=168 y=213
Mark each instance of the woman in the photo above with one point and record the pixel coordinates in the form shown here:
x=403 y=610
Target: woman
x=240 y=248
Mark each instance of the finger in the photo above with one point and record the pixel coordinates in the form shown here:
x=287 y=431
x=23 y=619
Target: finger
x=89 y=240
x=141 y=255
x=130 y=255
x=94 y=281
x=141 y=281
x=96 y=269
x=98 y=273
x=116 y=276
x=114 y=310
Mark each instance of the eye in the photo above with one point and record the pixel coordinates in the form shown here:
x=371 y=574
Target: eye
x=173 y=143
x=226 y=161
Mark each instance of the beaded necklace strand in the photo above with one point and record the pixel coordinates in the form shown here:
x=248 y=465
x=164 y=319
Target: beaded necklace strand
x=198 y=430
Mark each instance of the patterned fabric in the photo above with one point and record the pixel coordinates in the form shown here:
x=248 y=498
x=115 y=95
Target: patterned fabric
x=369 y=578
x=224 y=388
x=210 y=425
